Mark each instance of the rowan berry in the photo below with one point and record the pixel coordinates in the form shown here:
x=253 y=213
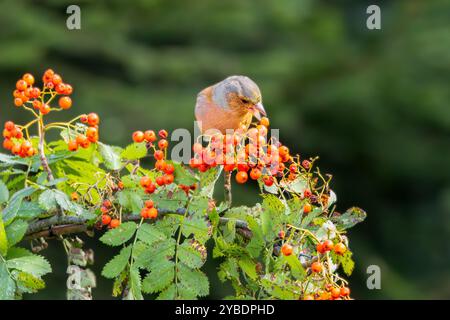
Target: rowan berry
x=163 y=144
x=18 y=102
x=168 y=178
x=169 y=169
x=335 y=292
x=9 y=125
x=150 y=136
x=320 y=248
x=74 y=196
x=44 y=108
x=68 y=90
x=138 y=136
x=160 y=180
x=159 y=155
x=60 y=88
x=56 y=79
x=286 y=249
x=144 y=213
x=229 y=167
x=21 y=85
x=307 y=193
x=72 y=145
x=26 y=145
x=306 y=164
x=149 y=204
x=243 y=167
x=7 y=134
x=145 y=182
x=307 y=208
x=92 y=134
x=241 y=177
x=107 y=203
x=160 y=165
x=29 y=79
x=283 y=151
x=163 y=134
x=150 y=189
x=328 y=245
x=345 y=292
x=104 y=209
x=152 y=213
x=255 y=173
x=84 y=118
x=316 y=267
x=106 y=219
x=65 y=102
x=281 y=234
x=340 y=248
x=114 y=223
x=7 y=144
x=93 y=119
x=268 y=181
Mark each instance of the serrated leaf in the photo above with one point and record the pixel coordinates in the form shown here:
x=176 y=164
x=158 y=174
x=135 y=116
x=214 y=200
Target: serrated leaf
x=349 y=218
x=196 y=226
x=110 y=155
x=119 y=235
x=182 y=175
x=30 y=282
x=115 y=266
x=208 y=180
x=156 y=254
x=297 y=269
x=8 y=286
x=3 y=238
x=346 y=262
x=190 y=256
x=170 y=200
x=169 y=293
x=159 y=278
x=17 y=252
x=248 y=266
x=34 y=264
x=29 y=210
x=10 y=212
x=134 y=151
x=135 y=292
x=257 y=242
x=150 y=234
x=15 y=231
x=193 y=280
x=130 y=200
x=4 y=193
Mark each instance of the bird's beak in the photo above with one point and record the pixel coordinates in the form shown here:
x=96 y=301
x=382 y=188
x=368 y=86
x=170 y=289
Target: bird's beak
x=258 y=110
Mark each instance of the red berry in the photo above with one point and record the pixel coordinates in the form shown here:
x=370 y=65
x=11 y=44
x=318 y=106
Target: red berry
x=281 y=234
x=241 y=177
x=168 y=179
x=68 y=90
x=149 y=204
x=114 y=223
x=327 y=245
x=145 y=182
x=60 y=88
x=286 y=249
x=84 y=118
x=255 y=173
x=72 y=145
x=107 y=203
x=29 y=79
x=306 y=164
x=163 y=144
x=268 y=181
x=340 y=248
x=162 y=134
x=92 y=134
x=316 y=267
x=345 y=291
x=106 y=219
x=307 y=208
x=9 y=125
x=160 y=165
x=160 y=180
x=56 y=79
x=7 y=144
x=44 y=108
x=150 y=189
x=152 y=213
x=93 y=119
x=138 y=136
x=21 y=85
x=169 y=168
x=150 y=136
x=159 y=155
x=65 y=102
x=18 y=102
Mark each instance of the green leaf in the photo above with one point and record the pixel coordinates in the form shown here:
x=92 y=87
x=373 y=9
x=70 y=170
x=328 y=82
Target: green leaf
x=115 y=266
x=110 y=155
x=3 y=238
x=15 y=202
x=4 y=193
x=197 y=226
x=159 y=278
x=248 y=266
x=182 y=175
x=15 y=231
x=135 y=292
x=190 y=255
x=119 y=235
x=297 y=269
x=8 y=286
x=346 y=262
x=194 y=281
x=208 y=180
x=29 y=210
x=257 y=242
x=170 y=200
x=17 y=252
x=29 y=282
x=169 y=293
x=134 y=151
x=150 y=234
x=349 y=218
x=34 y=264
x=130 y=200
x=308 y=218
x=279 y=286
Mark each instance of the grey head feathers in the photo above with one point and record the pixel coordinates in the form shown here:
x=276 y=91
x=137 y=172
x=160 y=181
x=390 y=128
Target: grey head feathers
x=243 y=86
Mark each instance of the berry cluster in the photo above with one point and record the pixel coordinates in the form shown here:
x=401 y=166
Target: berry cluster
x=85 y=139
x=15 y=142
x=149 y=211
x=107 y=220
x=330 y=293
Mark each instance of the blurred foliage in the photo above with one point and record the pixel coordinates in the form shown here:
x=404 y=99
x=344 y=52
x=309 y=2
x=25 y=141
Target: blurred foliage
x=372 y=104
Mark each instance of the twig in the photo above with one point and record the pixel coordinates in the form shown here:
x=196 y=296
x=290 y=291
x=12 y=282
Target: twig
x=227 y=188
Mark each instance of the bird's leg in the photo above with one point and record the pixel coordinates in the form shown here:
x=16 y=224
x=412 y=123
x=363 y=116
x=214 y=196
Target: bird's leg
x=227 y=187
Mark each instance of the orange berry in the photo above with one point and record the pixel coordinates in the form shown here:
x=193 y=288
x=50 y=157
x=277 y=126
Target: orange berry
x=44 y=108
x=7 y=134
x=21 y=85
x=74 y=196
x=93 y=119
x=145 y=182
x=29 y=79
x=149 y=204
x=162 y=134
x=26 y=145
x=138 y=136
x=320 y=248
x=335 y=292
x=16 y=149
x=68 y=90
x=65 y=102
x=144 y=213
x=114 y=223
x=308 y=297
x=150 y=189
x=307 y=208
x=92 y=134
x=72 y=145
x=120 y=185
x=286 y=249
x=327 y=245
x=56 y=79
x=340 y=248
x=255 y=173
x=7 y=144
x=159 y=155
x=241 y=177
x=345 y=292
x=160 y=165
x=106 y=219
x=316 y=267
x=152 y=213
x=283 y=151
x=160 y=180
x=107 y=203
x=150 y=136
x=163 y=144
x=37 y=104
x=18 y=102
x=9 y=125
x=169 y=169
x=168 y=178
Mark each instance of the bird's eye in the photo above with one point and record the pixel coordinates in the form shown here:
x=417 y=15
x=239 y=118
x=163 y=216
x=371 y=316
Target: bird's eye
x=244 y=100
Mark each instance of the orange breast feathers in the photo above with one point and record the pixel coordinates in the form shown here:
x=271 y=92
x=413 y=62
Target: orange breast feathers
x=212 y=116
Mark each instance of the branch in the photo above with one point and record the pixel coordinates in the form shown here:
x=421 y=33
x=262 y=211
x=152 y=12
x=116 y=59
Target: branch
x=58 y=225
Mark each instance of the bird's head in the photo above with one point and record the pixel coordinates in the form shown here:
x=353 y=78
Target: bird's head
x=239 y=93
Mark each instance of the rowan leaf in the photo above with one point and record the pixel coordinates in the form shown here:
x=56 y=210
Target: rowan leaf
x=116 y=265
x=134 y=151
x=120 y=235
x=33 y=264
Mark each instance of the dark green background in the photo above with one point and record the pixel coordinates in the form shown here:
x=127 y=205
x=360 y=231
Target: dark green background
x=374 y=105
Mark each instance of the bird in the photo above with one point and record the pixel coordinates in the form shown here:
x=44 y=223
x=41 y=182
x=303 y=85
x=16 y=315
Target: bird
x=229 y=104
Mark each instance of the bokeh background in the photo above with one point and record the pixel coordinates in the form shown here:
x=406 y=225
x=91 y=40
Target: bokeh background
x=374 y=105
